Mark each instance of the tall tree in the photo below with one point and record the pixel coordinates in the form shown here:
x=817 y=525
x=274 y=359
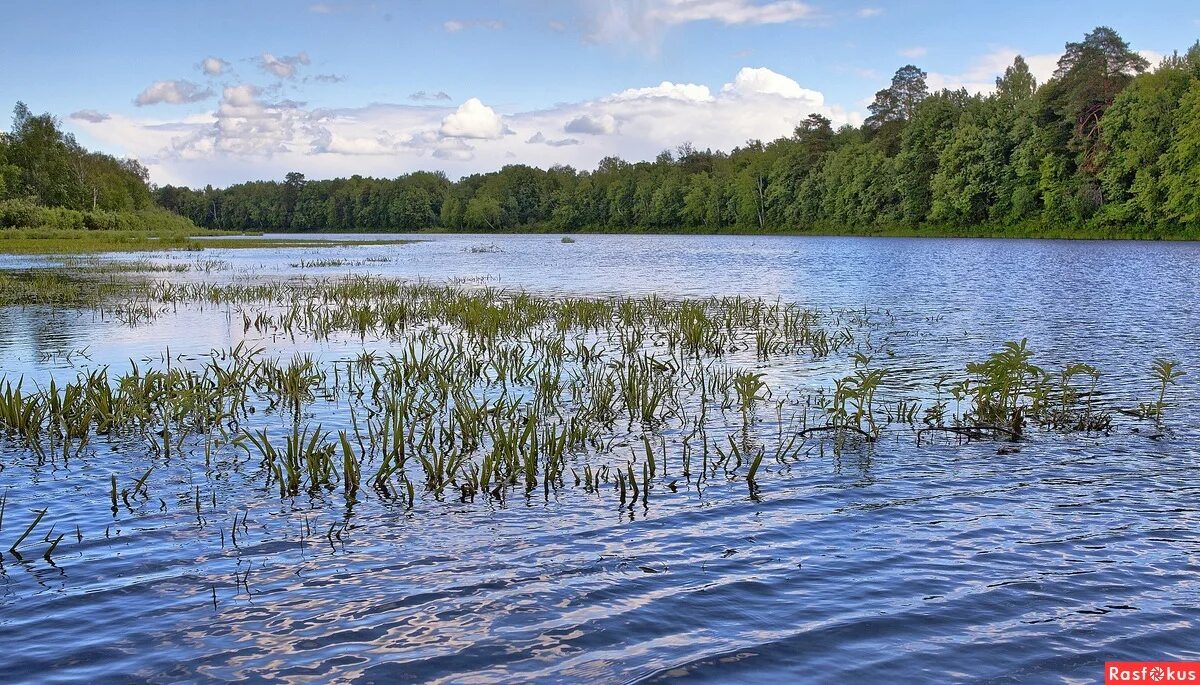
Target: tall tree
x=897 y=101
x=1090 y=74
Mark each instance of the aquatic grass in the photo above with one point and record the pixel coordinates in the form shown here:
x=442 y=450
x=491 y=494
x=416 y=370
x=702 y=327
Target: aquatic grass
x=485 y=393
x=1006 y=387
x=1166 y=373
x=38 y=519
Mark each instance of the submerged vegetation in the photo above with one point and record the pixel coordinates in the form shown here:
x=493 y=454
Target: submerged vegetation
x=1106 y=148
x=482 y=394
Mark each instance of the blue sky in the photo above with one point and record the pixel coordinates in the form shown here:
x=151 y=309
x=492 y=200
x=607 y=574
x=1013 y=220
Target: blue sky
x=333 y=87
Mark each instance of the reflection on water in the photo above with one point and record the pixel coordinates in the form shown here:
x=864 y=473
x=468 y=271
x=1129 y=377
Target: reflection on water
x=873 y=563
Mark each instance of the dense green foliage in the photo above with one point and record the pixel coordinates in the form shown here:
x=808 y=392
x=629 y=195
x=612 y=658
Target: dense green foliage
x=48 y=182
x=1108 y=146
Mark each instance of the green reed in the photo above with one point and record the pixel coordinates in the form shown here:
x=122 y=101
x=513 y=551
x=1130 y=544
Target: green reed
x=483 y=392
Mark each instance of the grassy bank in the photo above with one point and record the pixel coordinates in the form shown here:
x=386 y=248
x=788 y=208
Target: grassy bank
x=58 y=241
x=28 y=228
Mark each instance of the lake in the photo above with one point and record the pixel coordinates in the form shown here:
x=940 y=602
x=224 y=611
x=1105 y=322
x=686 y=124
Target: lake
x=981 y=560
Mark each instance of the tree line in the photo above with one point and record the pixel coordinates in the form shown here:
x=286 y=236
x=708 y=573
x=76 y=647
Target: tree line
x=1107 y=143
x=49 y=180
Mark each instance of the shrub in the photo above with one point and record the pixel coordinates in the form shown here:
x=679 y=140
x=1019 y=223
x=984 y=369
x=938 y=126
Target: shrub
x=18 y=213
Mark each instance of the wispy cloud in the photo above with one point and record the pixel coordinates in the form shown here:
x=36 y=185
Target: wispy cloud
x=90 y=115
x=913 y=52
x=456 y=25
x=423 y=96
x=644 y=21
x=539 y=139
x=980 y=76
x=869 y=12
x=172 y=93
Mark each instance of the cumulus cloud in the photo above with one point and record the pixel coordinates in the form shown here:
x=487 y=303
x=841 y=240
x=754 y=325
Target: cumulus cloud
x=423 y=96
x=284 y=66
x=473 y=119
x=456 y=25
x=90 y=115
x=592 y=124
x=752 y=81
x=645 y=20
x=249 y=135
x=172 y=93
x=213 y=66
x=246 y=125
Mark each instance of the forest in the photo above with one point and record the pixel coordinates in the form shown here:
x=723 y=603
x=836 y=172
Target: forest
x=49 y=181
x=1109 y=146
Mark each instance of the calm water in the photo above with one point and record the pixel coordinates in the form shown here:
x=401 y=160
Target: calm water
x=873 y=564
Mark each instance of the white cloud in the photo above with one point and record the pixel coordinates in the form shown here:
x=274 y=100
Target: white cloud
x=762 y=81
x=473 y=119
x=980 y=76
x=213 y=66
x=731 y=11
x=690 y=92
x=869 y=12
x=172 y=93
x=284 y=66
x=1154 y=58
x=913 y=53
x=456 y=25
x=249 y=136
x=644 y=21
x=592 y=125
x=245 y=126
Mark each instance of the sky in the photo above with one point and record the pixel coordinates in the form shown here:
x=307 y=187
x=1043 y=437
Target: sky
x=219 y=92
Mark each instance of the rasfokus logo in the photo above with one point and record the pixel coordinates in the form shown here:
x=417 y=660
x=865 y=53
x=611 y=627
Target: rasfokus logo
x=1151 y=672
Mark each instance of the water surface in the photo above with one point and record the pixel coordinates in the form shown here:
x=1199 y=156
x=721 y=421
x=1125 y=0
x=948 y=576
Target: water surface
x=884 y=562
